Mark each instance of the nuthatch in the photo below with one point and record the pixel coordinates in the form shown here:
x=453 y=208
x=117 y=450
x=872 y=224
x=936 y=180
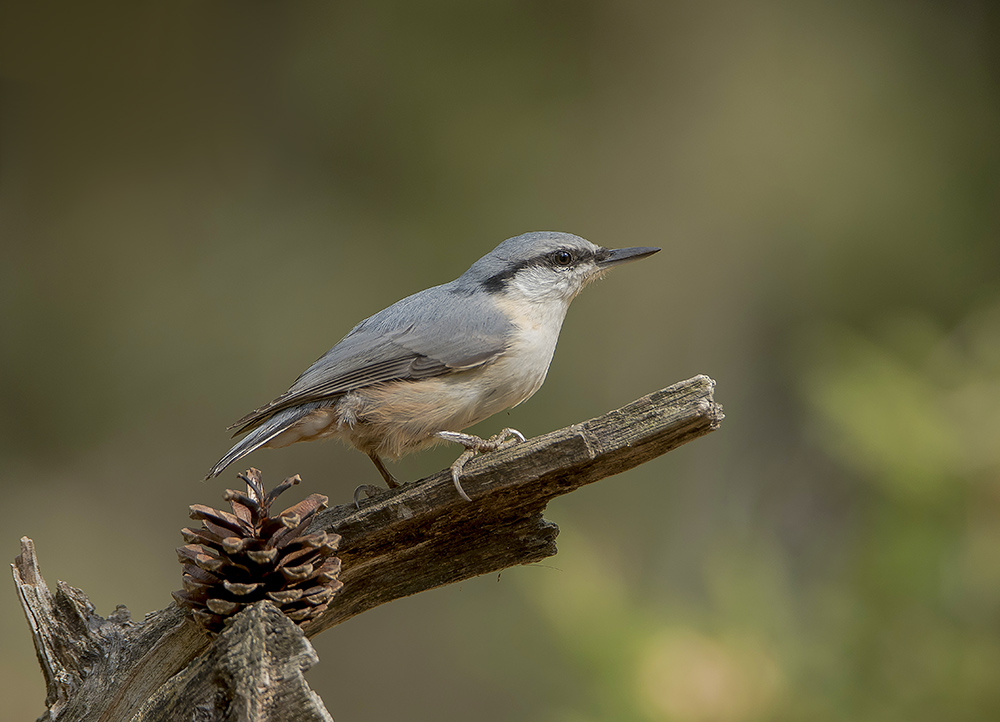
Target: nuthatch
x=438 y=361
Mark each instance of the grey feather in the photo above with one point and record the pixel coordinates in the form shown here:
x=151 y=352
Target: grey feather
x=428 y=334
x=265 y=431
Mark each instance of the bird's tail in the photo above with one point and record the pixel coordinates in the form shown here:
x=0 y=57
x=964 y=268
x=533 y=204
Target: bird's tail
x=259 y=437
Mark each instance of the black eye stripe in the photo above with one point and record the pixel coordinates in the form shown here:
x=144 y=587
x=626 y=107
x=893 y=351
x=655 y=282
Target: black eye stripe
x=498 y=282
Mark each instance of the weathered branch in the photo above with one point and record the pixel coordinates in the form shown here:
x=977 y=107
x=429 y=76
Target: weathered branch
x=423 y=535
x=417 y=537
x=252 y=671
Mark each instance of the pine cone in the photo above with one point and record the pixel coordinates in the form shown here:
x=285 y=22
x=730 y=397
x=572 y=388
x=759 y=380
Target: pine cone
x=237 y=559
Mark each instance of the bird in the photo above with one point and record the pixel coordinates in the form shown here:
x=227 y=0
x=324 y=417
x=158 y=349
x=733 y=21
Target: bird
x=420 y=371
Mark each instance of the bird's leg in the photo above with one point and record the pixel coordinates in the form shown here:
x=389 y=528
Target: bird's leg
x=474 y=445
x=390 y=480
x=370 y=490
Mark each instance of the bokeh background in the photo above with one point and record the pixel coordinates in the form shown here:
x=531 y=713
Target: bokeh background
x=198 y=199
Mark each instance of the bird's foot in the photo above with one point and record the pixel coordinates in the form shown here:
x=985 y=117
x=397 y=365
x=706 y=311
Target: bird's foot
x=475 y=445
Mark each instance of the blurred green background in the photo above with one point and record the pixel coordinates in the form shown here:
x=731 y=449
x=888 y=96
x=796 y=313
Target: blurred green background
x=198 y=199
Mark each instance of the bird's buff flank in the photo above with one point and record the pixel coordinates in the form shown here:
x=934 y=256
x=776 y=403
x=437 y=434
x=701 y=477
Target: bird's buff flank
x=443 y=359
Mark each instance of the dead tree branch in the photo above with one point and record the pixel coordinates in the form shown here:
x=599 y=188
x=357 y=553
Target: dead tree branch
x=417 y=537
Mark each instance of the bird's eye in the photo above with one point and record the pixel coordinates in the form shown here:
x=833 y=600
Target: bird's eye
x=562 y=258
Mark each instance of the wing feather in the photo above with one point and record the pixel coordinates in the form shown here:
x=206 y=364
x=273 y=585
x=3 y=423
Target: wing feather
x=432 y=333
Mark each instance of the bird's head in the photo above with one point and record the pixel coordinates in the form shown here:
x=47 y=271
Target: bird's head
x=546 y=266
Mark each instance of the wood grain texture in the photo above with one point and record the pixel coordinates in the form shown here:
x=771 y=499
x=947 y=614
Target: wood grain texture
x=252 y=672
x=406 y=540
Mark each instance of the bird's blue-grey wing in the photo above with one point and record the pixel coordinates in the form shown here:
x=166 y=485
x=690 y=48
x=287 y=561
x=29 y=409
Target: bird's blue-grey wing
x=432 y=333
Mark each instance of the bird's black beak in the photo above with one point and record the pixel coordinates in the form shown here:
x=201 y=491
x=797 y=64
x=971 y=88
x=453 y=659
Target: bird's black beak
x=618 y=256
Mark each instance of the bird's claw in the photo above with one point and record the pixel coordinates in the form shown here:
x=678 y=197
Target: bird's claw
x=456 y=472
x=475 y=445
x=500 y=441
x=369 y=491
